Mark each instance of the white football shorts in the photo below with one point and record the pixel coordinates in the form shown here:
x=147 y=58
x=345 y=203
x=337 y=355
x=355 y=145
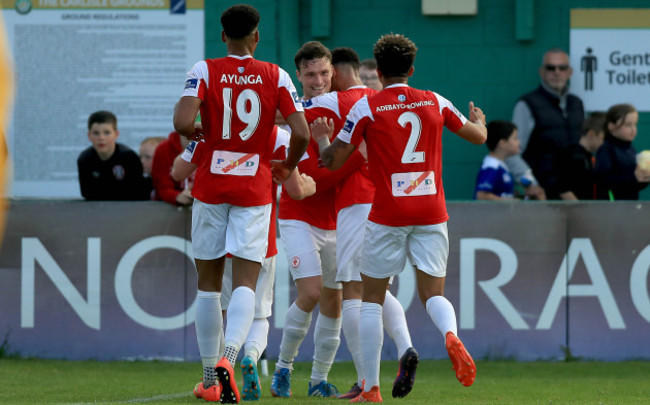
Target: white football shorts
x=310 y=251
x=350 y=227
x=218 y=229
x=385 y=249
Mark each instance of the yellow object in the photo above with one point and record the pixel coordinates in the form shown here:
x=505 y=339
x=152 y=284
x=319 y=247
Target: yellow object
x=6 y=97
x=643 y=160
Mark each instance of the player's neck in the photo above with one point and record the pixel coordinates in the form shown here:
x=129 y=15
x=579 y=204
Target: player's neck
x=240 y=49
x=388 y=81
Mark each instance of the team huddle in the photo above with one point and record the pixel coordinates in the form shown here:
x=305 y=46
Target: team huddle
x=361 y=176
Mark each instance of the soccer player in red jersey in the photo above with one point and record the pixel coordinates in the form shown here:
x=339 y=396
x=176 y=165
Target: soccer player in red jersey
x=354 y=194
x=308 y=232
x=402 y=127
x=237 y=97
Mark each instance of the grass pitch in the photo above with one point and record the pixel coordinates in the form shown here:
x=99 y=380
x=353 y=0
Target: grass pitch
x=30 y=381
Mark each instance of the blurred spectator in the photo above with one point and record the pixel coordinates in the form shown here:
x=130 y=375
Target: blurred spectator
x=618 y=177
x=575 y=164
x=368 y=74
x=548 y=119
x=147 y=148
x=494 y=181
x=165 y=187
x=109 y=170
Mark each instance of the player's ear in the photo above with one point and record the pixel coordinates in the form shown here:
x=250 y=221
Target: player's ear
x=223 y=36
x=410 y=71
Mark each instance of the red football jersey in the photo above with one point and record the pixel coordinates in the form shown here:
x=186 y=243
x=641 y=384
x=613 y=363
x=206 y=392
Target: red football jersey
x=240 y=97
x=198 y=151
x=403 y=127
x=357 y=188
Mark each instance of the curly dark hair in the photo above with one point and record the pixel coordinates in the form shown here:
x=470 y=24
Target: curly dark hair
x=394 y=54
x=240 y=20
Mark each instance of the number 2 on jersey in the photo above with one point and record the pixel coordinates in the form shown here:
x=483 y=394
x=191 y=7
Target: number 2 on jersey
x=249 y=117
x=410 y=155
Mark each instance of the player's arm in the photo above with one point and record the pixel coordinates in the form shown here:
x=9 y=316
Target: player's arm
x=297 y=147
x=185 y=113
x=299 y=185
x=474 y=130
x=181 y=169
x=332 y=154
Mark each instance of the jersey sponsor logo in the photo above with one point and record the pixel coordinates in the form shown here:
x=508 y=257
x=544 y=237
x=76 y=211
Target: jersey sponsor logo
x=234 y=163
x=410 y=106
x=241 y=80
x=413 y=184
x=348 y=126
x=191 y=83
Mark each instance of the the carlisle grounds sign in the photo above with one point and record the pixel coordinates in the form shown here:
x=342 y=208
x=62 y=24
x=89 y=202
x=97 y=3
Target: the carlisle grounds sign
x=610 y=56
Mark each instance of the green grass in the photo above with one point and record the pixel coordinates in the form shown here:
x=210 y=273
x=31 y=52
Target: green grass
x=29 y=381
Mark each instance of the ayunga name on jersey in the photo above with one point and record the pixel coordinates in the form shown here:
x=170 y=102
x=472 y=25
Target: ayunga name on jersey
x=240 y=79
x=410 y=106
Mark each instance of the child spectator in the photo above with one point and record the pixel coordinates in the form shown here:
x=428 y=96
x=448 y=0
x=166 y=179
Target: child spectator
x=575 y=164
x=166 y=188
x=617 y=175
x=109 y=170
x=147 y=149
x=494 y=181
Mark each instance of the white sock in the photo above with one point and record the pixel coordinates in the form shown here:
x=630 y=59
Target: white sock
x=327 y=339
x=395 y=324
x=257 y=338
x=241 y=312
x=296 y=326
x=208 y=324
x=371 y=339
x=350 y=325
x=442 y=313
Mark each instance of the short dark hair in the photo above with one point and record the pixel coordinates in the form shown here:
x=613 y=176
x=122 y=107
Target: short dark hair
x=346 y=56
x=369 y=63
x=594 y=122
x=498 y=130
x=394 y=54
x=102 y=117
x=309 y=51
x=617 y=113
x=240 y=20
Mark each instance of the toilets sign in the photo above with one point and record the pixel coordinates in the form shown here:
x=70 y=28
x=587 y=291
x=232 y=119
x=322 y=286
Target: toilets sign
x=610 y=56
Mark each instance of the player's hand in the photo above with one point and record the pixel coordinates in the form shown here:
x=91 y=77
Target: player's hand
x=185 y=197
x=280 y=171
x=322 y=128
x=198 y=132
x=476 y=114
x=309 y=185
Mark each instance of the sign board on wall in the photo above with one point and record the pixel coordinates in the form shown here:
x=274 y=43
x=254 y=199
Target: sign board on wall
x=610 y=56
x=75 y=57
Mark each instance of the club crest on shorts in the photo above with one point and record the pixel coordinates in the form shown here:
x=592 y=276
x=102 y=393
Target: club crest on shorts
x=295 y=262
